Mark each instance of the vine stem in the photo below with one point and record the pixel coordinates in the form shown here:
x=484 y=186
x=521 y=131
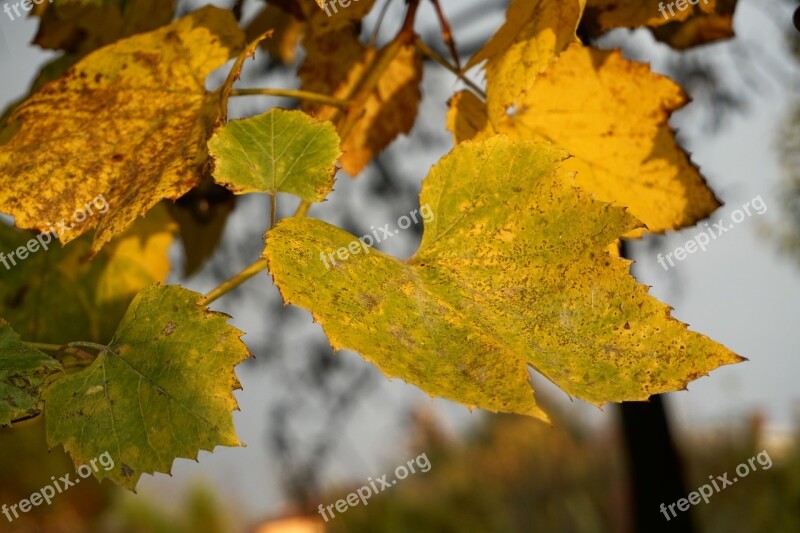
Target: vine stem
x=356 y=100
x=232 y=283
x=292 y=93
x=43 y=346
x=432 y=54
x=302 y=209
x=93 y=345
x=447 y=33
x=227 y=88
x=363 y=90
x=65 y=348
x=374 y=38
x=250 y=271
x=273 y=209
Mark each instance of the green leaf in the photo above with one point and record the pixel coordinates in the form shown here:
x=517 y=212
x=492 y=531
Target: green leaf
x=279 y=151
x=61 y=294
x=512 y=273
x=24 y=372
x=161 y=390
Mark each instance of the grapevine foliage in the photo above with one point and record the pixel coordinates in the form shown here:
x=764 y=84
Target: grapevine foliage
x=566 y=150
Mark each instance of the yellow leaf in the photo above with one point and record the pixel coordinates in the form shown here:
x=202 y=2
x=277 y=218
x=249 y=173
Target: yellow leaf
x=129 y=121
x=335 y=17
x=336 y=61
x=535 y=33
x=700 y=28
x=468 y=118
x=611 y=115
x=681 y=24
x=609 y=14
x=288 y=31
x=334 y=65
x=391 y=109
x=79 y=26
x=326 y=68
x=58 y=295
x=512 y=272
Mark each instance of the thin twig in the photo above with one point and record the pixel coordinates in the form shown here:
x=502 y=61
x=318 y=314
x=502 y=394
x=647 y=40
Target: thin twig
x=236 y=71
x=428 y=51
x=374 y=39
x=447 y=33
x=292 y=93
x=302 y=209
x=43 y=346
x=234 y=282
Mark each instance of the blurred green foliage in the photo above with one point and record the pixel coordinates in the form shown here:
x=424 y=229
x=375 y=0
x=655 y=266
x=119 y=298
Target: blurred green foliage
x=511 y=474
x=518 y=475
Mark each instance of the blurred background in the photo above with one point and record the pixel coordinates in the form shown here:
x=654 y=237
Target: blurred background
x=318 y=425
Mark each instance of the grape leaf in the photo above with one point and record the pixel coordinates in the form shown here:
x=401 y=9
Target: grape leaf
x=162 y=389
x=611 y=114
x=307 y=21
x=701 y=28
x=81 y=26
x=698 y=23
x=468 y=118
x=512 y=271
x=129 y=121
x=278 y=151
x=50 y=71
x=202 y=215
x=610 y=14
x=534 y=34
x=288 y=31
x=334 y=65
x=58 y=295
x=320 y=22
x=24 y=372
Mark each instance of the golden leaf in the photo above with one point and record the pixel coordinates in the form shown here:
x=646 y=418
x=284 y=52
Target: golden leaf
x=513 y=271
x=129 y=121
x=681 y=24
x=611 y=115
x=80 y=27
x=535 y=33
x=334 y=65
